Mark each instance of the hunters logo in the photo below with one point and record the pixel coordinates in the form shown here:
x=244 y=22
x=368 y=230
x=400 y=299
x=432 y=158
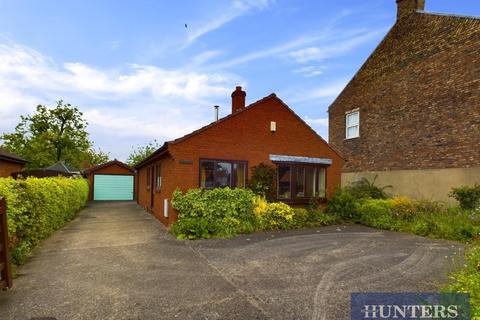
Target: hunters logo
x=410 y=306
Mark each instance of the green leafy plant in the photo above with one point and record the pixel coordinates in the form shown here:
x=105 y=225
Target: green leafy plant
x=273 y=216
x=37 y=207
x=343 y=204
x=467 y=196
x=263 y=181
x=365 y=188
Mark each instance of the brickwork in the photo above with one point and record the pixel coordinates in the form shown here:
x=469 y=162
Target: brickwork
x=419 y=98
x=7 y=167
x=246 y=136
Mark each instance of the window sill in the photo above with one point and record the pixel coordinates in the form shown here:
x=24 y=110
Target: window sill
x=351 y=138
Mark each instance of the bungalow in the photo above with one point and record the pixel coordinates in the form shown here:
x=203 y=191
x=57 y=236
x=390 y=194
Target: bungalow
x=411 y=114
x=223 y=153
x=10 y=163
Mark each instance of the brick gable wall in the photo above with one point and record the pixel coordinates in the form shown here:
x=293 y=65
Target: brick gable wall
x=419 y=99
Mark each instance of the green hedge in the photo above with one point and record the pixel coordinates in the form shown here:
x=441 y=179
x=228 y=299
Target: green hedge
x=37 y=207
x=225 y=212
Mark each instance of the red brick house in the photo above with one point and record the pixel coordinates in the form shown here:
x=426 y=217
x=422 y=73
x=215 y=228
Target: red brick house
x=224 y=152
x=411 y=114
x=10 y=163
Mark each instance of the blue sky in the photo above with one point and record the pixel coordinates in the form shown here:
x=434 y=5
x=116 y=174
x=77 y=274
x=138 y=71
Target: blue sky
x=138 y=74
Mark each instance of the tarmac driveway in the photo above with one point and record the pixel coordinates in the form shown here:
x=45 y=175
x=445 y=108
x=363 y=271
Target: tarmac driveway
x=115 y=261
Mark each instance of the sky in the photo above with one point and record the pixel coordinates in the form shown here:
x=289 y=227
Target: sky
x=153 y=70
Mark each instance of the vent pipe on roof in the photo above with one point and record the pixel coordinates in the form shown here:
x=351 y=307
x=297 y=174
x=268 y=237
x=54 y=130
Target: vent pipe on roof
x=216 y=112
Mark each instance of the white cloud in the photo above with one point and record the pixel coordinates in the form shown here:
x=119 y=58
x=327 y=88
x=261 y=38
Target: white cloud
x=317 y=122
x=325 y=93
x=236 y=9
x=328 y=50
x=142 y=101
x=310 y=71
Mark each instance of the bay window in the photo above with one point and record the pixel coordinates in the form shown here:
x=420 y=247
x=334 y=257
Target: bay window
x=223 y=173
x=300 y=182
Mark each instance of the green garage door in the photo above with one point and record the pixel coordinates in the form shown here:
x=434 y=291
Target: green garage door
x=112 y=187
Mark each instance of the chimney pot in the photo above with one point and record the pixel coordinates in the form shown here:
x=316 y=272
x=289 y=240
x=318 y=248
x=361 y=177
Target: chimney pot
x=238 y=99
x=407 y=7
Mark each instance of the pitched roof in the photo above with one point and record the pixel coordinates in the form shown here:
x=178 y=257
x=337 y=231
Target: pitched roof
x=164 y=148
x=62 y=166
x=7 y=156
x=107 y=164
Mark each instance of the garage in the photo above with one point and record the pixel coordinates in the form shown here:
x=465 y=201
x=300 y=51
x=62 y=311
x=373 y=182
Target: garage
x=111 y=181
x=112 y=187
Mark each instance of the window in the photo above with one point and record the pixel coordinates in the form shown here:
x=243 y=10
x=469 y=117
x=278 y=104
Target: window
x=300 y=182
x=223 y=173
x=352 y=124
x=284 y=178
x=158 y=177
x=149 y=183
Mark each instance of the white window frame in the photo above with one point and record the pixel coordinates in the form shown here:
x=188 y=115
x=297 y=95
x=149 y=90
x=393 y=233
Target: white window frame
x=347 y=115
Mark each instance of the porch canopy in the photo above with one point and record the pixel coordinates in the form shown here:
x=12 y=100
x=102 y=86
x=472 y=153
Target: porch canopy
x=295 y=159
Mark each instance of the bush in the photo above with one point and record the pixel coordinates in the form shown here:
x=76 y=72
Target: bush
x=378 y=213
x=273 y=216
x=343 y=205
x=468 y=280
x=467 y=196
x=263 y=181
x=37 y=207
x=218 y=212
x=364 y=189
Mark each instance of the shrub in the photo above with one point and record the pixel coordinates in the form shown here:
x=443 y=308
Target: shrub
x=343 y=205
x=263 y=181
x=378 y=213
x=213 y=213
x=468 y=280
x=37 y=207
x=467 y=196
x=364 y=189
x=273 y=216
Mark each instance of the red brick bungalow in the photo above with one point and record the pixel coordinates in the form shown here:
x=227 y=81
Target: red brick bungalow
x=224 y=152
x=10 y=163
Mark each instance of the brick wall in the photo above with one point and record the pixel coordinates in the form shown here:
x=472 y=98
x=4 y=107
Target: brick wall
x=419 y=99
x=245 y=136
x=6 y=168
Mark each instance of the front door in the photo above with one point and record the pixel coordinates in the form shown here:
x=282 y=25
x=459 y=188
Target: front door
x=152 y=188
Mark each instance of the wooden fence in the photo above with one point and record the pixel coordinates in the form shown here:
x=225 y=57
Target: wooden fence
x=5 y=267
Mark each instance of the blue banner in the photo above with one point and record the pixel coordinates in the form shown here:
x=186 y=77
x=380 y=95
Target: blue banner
x=399 y=306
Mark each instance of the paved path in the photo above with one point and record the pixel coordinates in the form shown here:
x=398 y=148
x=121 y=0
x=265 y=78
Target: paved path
x=115 y=261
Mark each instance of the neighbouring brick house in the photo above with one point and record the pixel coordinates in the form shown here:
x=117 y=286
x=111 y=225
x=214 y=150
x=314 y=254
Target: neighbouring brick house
x=411 y=114
x=10 y=163
x=224 y=152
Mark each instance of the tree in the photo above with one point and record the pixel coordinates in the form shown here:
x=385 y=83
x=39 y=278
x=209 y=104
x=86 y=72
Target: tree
x=142 y=152
x=51 y=135
x=94 y=157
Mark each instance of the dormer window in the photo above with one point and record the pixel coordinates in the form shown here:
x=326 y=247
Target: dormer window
x=352 y=121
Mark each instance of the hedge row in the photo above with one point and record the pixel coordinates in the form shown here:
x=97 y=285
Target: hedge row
x=37 y=207
x=225 y=212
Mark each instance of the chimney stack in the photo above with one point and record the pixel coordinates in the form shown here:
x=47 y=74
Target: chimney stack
x=407 y=7
x=238 y=99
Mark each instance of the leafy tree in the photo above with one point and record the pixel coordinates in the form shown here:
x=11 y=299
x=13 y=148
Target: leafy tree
x=142 y=152
x=50 y=135
x=94 y=157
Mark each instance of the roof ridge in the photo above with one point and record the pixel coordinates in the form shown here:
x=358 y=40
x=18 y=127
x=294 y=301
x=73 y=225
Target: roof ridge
x=453 y=15
x=178 y=140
